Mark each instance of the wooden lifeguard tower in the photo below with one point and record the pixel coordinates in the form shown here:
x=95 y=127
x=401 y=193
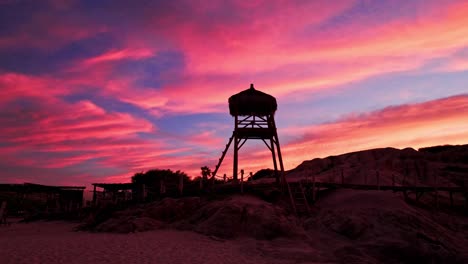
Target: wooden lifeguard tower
x=253 y=113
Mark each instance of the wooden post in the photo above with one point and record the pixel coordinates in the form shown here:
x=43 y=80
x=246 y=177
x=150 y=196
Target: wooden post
x=162 y=188
x=342 y=176
x=317 y=192
x=94 y=195
x=436 y=192
x=181 y=185
x=404 y=177
x=451 y=199
x=242 y=181
x=224 y=177
x=313 y=187
x=466 y=200
x=377 y=174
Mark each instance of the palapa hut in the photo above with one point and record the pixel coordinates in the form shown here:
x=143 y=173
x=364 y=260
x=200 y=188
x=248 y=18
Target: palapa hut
x=252 y=102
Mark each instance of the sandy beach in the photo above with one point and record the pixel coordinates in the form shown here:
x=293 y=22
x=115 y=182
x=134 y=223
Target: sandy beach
x=56 y=242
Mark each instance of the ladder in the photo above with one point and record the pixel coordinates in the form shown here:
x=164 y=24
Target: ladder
x=299 y=199
x=3 y=213
x=222 y=156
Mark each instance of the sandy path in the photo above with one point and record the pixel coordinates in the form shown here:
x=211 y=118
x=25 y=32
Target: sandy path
x=55 y=242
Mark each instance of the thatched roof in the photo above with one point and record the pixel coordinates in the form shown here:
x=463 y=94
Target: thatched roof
x=252 y=102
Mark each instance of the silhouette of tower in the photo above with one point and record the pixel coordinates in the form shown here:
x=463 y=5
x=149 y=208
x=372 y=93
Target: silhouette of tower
x=253 y=113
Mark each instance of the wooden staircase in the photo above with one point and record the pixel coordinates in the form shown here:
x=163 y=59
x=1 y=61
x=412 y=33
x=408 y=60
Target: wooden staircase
x=299 y=199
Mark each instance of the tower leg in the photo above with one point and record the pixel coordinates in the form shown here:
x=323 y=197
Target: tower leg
x=236 y=149
x=273 y=155
x=280 y=158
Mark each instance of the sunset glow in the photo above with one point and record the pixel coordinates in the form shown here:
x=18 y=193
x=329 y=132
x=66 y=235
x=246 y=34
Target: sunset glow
x=95 y=91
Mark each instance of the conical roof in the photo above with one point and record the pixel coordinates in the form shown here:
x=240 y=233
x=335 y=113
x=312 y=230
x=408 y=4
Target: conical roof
x=252 y=102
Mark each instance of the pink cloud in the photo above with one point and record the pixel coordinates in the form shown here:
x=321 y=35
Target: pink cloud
x=276 y=45
x=267 y=45
x=287 y=63
x=15 y=85
x=441 y=121
x=115 y=55
x=82 y=129
x=271 y=39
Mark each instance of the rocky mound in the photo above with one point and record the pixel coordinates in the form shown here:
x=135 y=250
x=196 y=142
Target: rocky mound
x=443 y=166
x=372 y=226
x=140 y=218
x=228 y=218
x=244 y=215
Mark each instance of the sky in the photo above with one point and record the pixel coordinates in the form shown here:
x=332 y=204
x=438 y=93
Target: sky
x=95 y=91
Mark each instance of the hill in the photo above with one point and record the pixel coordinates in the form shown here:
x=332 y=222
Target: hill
x=439 y=165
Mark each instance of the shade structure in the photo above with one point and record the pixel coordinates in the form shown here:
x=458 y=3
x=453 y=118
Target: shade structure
x=252 y=102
